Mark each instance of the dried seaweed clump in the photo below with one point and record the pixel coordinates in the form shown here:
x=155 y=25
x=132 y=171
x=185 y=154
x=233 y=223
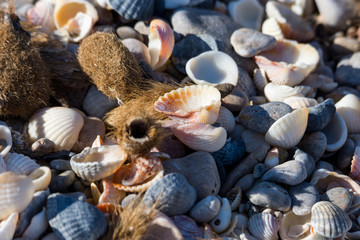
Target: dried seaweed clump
x=24 y=78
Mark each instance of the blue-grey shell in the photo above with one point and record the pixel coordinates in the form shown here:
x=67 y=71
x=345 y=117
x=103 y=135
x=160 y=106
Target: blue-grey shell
x=133 y=9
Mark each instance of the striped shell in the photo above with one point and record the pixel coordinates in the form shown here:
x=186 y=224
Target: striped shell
x=59 y=124
x=349 y=109
x=294 y=227
x=226 y=119
x=289 y=62
x=42 y=14
x=196 y=103
x=5 y=140
x=41 y=178
x=336 y=133
x=188 y=227
x=300 y=102
x=8 y=226
x=16 y=192
x=240 y=11
x=271 y=27
x=329 y=220
x=288 y=130
x=20 y=164
x=133 y=9
x=278 y=93
x=93 y=164
x=264 y=226
x=355 y=165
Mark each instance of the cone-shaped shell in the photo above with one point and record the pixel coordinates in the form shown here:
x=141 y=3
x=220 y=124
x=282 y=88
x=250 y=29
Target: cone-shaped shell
x=328 y=220
x=289 y=62
x=42 y=14
x=58 y=124
x=336 y=133
x=349 y=109
x=240 y=11
x=278 y=93
x=288 y=130
x=196 y=103
x=6 y=140
x=294 y=227
x=8 y=227
x=133 y=9
x=264 y=226
x=20 y=164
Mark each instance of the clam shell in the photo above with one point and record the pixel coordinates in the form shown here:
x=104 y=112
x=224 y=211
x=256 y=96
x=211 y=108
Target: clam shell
x=278 y=93
x=8 y=226
x=42 y=14
x=20 y=164
x=260 y=79
x=329 y=220
x=240 y=11
x=133 y=9
x=223 y=218
x=300 y=102
x=287 y=131
x=264 y=226
x=41 y=178
x=139 y=49
x=5 y=140
x=96 y=163
x=289 y=62
x=188 y=227
x=226 y=119
x=37 y=227
x=16 y=192
x=161 y=43
x=349 y=109
x=271 y=27
x=58 y=124
x=294 y=227
x=355 y=165
x=336 y=133
x=196 y=103
x=320 y=115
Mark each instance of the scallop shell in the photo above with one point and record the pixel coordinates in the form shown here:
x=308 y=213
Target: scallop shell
x=41 y=178
x=8 y=226
x=278 y=93
x=133 y=9
x=300 y=102
x=5 y=140
x=247 y=13
x=271 y=27
x=222 y=220
x=226 y=119
x=288 y=130
x=349 y=109
x=355 y=165
x=196 y=103
x=42 y=14
x=93 y=164
x=16 y=192
x=20 y=164
x=260 y=79
x=289 y=62
x=59 y=124
x=329 y=220
x=336 y=133
x=37 y=227
x=294 y=227
x=161 y=43
x=264 y=226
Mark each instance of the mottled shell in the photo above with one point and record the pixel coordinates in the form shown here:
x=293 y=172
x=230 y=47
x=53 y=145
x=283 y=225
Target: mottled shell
x=274 y=92
x=42 y=14
x=349 y=109
x=288 y=130
x=96 y=163
x=226 y=119
x=59 y=124
x=329 y=220
x=196 y=103
x=264 y=226
x=5 y=140
x=41 y=178
x=16 y=192
x=294 y=227
x=240 y=11
x=336 y=133
x=8 y=226
x=20 y=164
x=355 y=165
x=300 y=102
x=289 y=62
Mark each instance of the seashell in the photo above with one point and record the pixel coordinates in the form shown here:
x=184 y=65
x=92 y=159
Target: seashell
x=264 y=226
x=300 y=102
x=260 y=79
x=272 y=158
x=104 y=4
x=306 y=91
x=234 y=196
x=196 y=103
x=161 y=43
x=323 y=82
x=329 y=220
x=201 y=137
x=289 y=62
x=59 y=124
x=349 y=109
x=16 y=192
x=110 y=193
x=223 y=218
x=5 y=140
x=355 y=165
x=213 y=68
x=139 y=49
x=287 y=131
x=278 y=93
x=294 y=227
x=226 y=119
x=240 y=11
x=37 y=227
x=95 y=193
x=336 y=133
x=133 y=9
x=8 y=226
x=271 y=27
x=41 y=178
x=2 y=165
x=231 y=153
x=206 y=209
x=188 y=227
x=95 y=163
x=292 y=26
x=42 y=13
x=320 y=115
x=20 y=164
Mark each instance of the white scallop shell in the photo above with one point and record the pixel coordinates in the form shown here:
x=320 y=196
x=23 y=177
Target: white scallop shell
x=349 y=109
x=336 y=133
x=212 y=68
x=42 y=14
x=41 y=178
x=226 y=119
x=59 y=124
x=196 y=103
x=20 y=164
x=37 y=227
x=288 y=130
x=294 y=227
x=8 y=226
x=264 y=226
x=16 y=192
x=96 y=163
x=260 y=79
x=247 y=13
x=271 y=27
x=289 y=62
x=223 y=218
x=300 y=102
x=274 y=92
x=5 y=140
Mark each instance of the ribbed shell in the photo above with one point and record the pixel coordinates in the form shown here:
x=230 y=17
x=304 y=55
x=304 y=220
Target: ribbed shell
x=300 y=102
x=288 y=130
x=274 y=92
x=188 y=227
x=42 y=14
x=133 y=9
x=260 y=79
x=271 y=27
x=59 y=124
x=264 y=226
x=349 y=109
x=20 y=164
x=355 y=165
x=5 y=135
x=226 y=119
x=239 y=11
x=329 y=220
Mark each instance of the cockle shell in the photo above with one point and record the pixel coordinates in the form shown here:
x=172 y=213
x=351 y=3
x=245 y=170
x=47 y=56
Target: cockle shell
x=41 y=178
x=336 y=133
x=133 y=9
x=355 y=165
x=349 y=109
x=264 y=226
x=59 y=124
x=289 y=62
x=278 y=93
x=271 y=27
x=260 y=79
x=8 y=226
x=329 y=220
x=95 y=163
x=5 y=140
x=42 y=14
x=223 y=218
x=288 y=130
x=226 y=119
x=20 y=164
x=161 y=43
x=247 y=13
x=294 y=227
x=196 y=103
x=37 y=227
x=300 y=102
x=16 y=192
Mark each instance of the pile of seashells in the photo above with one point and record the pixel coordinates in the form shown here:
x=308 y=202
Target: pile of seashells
x=251 y=128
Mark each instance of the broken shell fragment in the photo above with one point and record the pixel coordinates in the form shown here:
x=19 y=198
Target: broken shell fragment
x=300 y=102
x=294 y=227
x=42 y=14
x=8 y=226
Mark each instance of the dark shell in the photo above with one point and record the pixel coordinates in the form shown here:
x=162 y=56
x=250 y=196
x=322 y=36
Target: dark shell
x=231 y=153
x=320 y=115
x=133 y=9
x=188 y=227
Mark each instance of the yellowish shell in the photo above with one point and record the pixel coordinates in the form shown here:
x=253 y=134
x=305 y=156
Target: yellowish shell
x=294 y=227
x=349 y=109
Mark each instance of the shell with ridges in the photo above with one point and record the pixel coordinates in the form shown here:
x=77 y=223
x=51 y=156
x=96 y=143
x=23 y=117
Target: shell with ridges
x=288 y=130
x=300 y=102
x=41 y=178
x=294 y=227
x=349 y=109
x=20 y=164
x=247 y=13
x=278 y=93
x=226 y=119
x=5 y=140
x=188 y=227
x=8 y=226
x=133 y=9
x=355 y=165
x=42 y=14
x=271 y=27
x=260 y=79
x=264 y=226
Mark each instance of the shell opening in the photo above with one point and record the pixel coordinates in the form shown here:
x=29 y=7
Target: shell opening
x=69 y=11
x=138 y=130
x=202 y=71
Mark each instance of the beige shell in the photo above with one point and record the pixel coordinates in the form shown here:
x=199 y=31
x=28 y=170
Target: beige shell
x=161 y=43
x=41 y=178
x=5 y=140
x=42 y=14
x=247 y=13
x=289 y=62
x=260 y=79
x=271 y=27
x=336 y=133
x=16 y=192
x=59 y=124
x=294 y=227
x=274 y=92
x=349 y=109
x=93 y=164
x=196 y=103
x=8 y=226
x=226 y=119
x=20 y=164
x=264 y=226
x=300 y=102
x=288 y=130
x=139 y=49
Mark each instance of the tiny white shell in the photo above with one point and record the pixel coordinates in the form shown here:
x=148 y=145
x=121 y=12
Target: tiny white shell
x=222 y=220
x=37 y=227
x=349 y=109
x=20 y=164
x=8 y=226
x=226 y=119
x=41 y=178
x=300 y=102
x=247 y=13
x=5 y=140
x=336 y=133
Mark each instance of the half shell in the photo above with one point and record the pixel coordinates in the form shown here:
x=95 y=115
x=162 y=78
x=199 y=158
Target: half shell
x=8 y=226
x=20 y=164
x=349 y=109
x=247 y=13
x=336 y=133
x=5 y=140
x=300 y=102
x=278 y=93
x=294 y=227
x=42 y=14
x=41 y=178
x=264 y=226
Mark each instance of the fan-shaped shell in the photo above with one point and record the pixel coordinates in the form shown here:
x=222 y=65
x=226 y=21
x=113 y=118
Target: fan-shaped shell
x=42 y=14
x=133 y=9
x=59 y=124
x=226 y=119
x=264 y=226
x=288 y=130
x=41 y=178
x=96 y=163
x=294 y=227
x=271 y=27
x=300 y=102
x=247 y=13
x=20 y=164
x=329 y=220
x=8 y=226
x=349 y=109
x=16 y=192
x=5 y=140
x=289 y=62
x=196 y=103
x=274 y=92
x=336 y=133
